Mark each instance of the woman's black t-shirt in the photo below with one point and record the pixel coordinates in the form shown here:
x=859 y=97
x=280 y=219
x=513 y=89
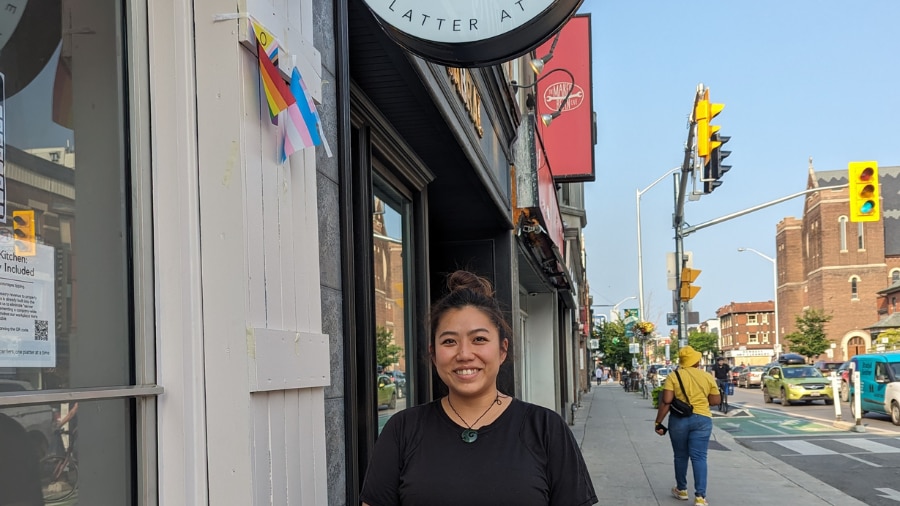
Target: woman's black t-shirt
x=528 y=456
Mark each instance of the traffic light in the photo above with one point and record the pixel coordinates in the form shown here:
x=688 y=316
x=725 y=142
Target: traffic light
x=23 y=232
x=714 y=169
x=864 y=199
x=701 y=113
x=688 y=276
x=704 y=114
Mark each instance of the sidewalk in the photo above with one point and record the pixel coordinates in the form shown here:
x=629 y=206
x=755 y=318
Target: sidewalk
x=632 y=465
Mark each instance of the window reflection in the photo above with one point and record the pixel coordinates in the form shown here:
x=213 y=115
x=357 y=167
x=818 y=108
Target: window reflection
x=388 y=225
x=65 y=284
x=44 y=458
x=64 y=280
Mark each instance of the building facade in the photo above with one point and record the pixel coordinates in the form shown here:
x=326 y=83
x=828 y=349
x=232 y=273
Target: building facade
x=747 y=332
x=827 y=263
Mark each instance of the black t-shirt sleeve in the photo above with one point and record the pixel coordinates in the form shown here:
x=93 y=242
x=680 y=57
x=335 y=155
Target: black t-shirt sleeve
x=382 y=484
x=570 y=483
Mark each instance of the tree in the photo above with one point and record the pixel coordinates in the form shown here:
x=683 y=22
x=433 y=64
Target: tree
x=809 y=339
x=613 y=343
x=890 y=339
x=386 y=352
x=706 y=343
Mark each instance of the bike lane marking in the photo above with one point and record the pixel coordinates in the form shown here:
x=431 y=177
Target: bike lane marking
x=765 y=422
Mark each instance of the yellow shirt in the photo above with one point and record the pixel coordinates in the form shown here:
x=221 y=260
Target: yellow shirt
x=698 y=385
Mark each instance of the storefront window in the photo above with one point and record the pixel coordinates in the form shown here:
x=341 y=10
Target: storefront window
x=390 y=241
x=66 y=299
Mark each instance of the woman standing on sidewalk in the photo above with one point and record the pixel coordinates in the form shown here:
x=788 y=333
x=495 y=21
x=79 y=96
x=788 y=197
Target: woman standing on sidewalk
x=477 y=445
x=689 y=435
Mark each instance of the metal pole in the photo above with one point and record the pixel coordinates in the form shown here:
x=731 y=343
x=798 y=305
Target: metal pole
x=775 y=287
x=640 y=253
x=679 y=265
x=694 y=228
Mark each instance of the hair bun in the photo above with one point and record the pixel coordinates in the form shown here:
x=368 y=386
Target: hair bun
x=465 y=280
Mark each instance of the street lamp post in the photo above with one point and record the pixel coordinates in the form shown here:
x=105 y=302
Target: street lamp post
x=775 y=287
x=615 y=309
x=637 y=203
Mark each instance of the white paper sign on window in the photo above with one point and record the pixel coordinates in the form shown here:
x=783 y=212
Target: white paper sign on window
x=27 y=308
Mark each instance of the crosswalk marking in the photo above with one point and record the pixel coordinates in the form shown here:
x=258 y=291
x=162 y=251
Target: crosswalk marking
x=868 y=445
x=804 y=447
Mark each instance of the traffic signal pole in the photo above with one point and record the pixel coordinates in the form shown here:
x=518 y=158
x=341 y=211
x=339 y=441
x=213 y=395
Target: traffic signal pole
x=681 y=179
x=862 y=175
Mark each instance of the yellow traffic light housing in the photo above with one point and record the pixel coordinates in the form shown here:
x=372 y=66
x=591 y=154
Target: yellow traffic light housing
x=688 y=276
x=23 y=232
x=865 y=202
x=704 y=114
x=701 y=113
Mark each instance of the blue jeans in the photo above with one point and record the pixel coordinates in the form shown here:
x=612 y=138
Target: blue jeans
x=690 y=440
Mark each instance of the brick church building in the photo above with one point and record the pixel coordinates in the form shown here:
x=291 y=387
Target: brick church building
x=829 y=263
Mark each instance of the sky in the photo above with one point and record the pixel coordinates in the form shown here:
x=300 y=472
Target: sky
x=800 y=79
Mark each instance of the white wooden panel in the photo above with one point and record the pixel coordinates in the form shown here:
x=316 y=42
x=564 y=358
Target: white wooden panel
x=312 y=449
x=281 y=359
x=287 y=257
x=260 y=438
x=254 y=114
x=278 y=423
x=271 y=235
x=221 y=92
x=291 y=436
x=306 y=231
x=182 y=454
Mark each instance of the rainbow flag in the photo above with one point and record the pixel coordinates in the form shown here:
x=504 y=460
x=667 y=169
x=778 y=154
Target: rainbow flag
x=278 y=95
x=301 y=128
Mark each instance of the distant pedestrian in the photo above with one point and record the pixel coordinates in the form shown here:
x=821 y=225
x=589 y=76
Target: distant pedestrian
x=598 y=375
x=689 y=435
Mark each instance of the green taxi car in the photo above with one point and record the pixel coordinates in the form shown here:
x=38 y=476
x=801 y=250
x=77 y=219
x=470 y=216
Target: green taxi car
x=387 y=392
x=796 y=383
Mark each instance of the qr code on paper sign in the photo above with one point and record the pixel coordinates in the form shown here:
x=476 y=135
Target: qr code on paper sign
x=40 y=330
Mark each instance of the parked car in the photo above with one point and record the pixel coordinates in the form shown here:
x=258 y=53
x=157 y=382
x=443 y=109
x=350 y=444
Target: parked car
x=387 y=392
x=796 y=383
x=826 y=367
x=736 y=372
x=38 y=420
x=661 y=375
x=879 y=384
x=399 y=379
x=844 y=373
x=751 y=376
x=791 y=359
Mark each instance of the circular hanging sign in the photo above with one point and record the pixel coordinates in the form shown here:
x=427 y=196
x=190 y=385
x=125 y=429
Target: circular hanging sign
x=474 y=33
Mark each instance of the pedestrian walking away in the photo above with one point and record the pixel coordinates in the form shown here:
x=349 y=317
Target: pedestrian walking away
x=598 y=375
x=477 y=445
x=690 y=434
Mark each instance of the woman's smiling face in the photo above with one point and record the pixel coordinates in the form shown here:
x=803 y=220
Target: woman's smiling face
x=468 y=352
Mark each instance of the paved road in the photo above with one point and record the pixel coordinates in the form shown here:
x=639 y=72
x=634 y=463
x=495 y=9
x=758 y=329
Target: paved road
x=861 y=465
x=864 y=465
